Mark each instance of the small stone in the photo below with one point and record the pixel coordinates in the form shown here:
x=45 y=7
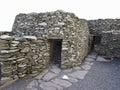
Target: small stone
x=35 y=57
x=26 y=49
x=62 y=83
x=30 y=37
x=21 y=59
x=6 y=37
x=77 y=68
x=9 y=51
x=42 y=24
x=49 y=76
x=5 y=78
x=15 y=42
x=22 y=65
x=56 y=31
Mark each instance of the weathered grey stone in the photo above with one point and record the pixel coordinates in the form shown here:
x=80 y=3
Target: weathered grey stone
x=30 y=37
x=8 y=51
x=6 y=37
x=62 y=83
x=49 y=76
x=101 y=59
x=56 y=70
x=67 y=70
x=86 y=67
x=26 y=49
x=72 y=80
x=78 y=74
x=89 y=59
x=47 y=87
x=88 y=63
x=32 y=84
x=77 y=68
x=50 y=84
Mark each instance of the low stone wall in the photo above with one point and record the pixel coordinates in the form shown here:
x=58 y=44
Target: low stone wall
x=109 y=30
x=22 y=56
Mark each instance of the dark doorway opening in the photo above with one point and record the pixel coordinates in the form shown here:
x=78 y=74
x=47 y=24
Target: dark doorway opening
x=55 y=51
x=95 y=42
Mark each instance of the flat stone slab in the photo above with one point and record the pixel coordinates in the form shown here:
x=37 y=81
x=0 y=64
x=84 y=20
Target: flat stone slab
x=72 y=80
x=67 y=70
x=89 y=59
x=62 y=83
x=32 y=84
x=86 y=67
x=101 y=59
x=44 y=87
x=88 y=63
x=77 y=68
x=78 y=74
x=48 y=85
x=49 y=76
x=56 y=70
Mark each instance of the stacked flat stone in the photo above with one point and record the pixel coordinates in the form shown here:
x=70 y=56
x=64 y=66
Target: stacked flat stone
x=20 y=56
x=73 y=31
x=109 y=29
x=7 y=57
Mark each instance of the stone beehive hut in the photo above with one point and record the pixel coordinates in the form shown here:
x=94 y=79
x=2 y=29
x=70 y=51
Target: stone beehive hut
x=60 y=38
x=67 y=35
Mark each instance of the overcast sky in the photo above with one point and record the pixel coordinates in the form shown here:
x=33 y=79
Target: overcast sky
x=87 y=9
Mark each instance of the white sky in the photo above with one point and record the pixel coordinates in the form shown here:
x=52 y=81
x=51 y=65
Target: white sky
x=87 y=9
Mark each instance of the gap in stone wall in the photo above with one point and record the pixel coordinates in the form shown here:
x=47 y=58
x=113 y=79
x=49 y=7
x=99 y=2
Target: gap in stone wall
x=55 y=51
x=96 y=42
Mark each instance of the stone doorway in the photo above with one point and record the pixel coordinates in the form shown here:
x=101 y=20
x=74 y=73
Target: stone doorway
x=95 y=42
x=55 y=51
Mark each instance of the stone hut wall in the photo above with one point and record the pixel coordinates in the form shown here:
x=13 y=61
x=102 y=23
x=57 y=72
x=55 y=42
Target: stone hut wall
x=109 y=30
x=22 y=56
x=73 y=31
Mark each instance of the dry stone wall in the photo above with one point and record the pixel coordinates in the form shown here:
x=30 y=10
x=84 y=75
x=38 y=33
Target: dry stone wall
x=109 y=30
x=73 y=31
x=20 y=56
